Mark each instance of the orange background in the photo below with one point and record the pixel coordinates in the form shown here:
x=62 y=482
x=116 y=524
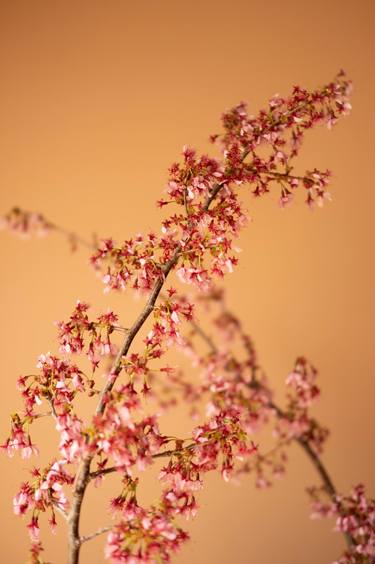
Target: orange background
x=97 y=99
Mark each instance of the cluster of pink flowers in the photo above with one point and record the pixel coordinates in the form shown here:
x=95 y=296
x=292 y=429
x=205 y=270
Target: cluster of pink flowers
x=295 y=422
x=19 y=438
x=355 y=518
x=132 y=264
x=168 y=317
x=281 y=128
x=73 y=437
x=24 y=223
x=57 y=382
x=72 y=334
x=195 y=241
x=43 y=493
x=144 y=535
x=118 y=433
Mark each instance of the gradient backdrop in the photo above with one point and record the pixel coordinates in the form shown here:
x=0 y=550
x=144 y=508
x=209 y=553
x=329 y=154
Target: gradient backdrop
x=97 y=99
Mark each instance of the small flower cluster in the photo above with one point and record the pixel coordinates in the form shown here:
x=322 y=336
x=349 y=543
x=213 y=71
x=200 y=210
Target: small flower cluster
x=295 y=422
x=281 y=128
x=132 y=264
x=19 y=438
x=302 y=384
x=44 y=493
x=142 y=536
x=24 y=223
x=168 y=315
x=355 y=518
x=73 y=443
x=204 y=232
x=57 y=382
x=183 y=477
x=190 y=183
x=222 y=434
x=119 y=436
x=72 y=334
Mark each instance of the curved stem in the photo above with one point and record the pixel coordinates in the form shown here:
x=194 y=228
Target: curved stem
x=319 y=466
x=328 y=484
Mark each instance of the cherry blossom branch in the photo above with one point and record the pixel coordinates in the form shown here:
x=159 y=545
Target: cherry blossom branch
x=201 y=240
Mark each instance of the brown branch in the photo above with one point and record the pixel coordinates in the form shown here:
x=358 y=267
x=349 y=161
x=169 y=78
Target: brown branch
x=321 y=469
x=277 y=175
x=164 y=454
x=204 y=336
x=318 y=464
x=45 y=414
x=328 y=484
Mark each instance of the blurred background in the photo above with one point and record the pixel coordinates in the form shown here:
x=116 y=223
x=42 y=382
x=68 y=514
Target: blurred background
x=97 y=100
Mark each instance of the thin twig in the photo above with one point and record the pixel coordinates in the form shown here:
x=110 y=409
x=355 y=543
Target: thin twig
x=73 y=237
x=61 y=511
x=53 y=410
x=96 y=534
x=45 y=414
x=204 y=336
